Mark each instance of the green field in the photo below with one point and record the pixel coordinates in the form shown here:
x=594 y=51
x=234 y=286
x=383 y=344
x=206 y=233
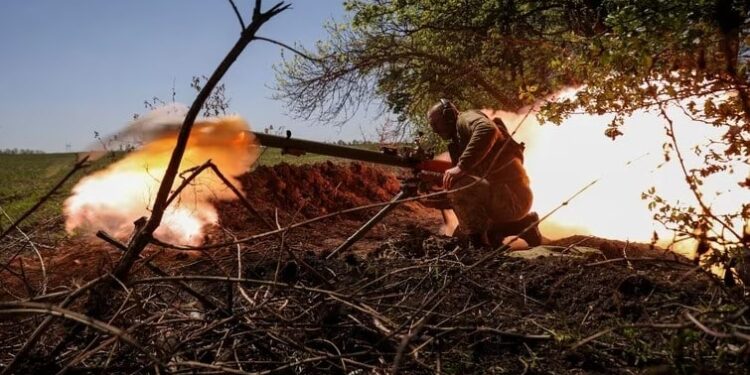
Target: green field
x=273 y=156
x=24 y=179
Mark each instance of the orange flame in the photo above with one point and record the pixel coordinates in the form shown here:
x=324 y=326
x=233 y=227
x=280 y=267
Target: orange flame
x=562 y=159
x=113 y=198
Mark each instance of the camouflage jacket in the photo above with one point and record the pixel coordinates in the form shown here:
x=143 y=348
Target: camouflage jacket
x=477 y=142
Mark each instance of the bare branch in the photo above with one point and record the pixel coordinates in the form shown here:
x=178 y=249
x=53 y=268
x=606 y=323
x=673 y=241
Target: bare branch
x=144 y=235
x=42 y=327
x=52 y=310
x=237 y=13
x=290 y=48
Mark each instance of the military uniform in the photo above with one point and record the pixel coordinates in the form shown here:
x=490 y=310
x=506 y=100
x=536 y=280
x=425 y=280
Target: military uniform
x=504 y=195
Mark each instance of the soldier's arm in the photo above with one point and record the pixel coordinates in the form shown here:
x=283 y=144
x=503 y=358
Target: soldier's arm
x=483 y=136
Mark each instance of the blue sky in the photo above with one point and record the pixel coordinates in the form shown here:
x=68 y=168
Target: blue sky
x=70 y=68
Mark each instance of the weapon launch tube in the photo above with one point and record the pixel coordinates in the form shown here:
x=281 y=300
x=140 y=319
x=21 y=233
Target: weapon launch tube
x=313 y=147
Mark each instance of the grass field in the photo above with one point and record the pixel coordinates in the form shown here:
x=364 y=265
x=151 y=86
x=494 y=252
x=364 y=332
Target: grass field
x=273 y=156
x=24 y=179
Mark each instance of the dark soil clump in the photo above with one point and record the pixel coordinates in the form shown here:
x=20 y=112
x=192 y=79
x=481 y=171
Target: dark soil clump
x=318 y=189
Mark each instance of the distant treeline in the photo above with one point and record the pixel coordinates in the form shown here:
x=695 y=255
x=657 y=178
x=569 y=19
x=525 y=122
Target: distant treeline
x=19 y=151
x=354 y=142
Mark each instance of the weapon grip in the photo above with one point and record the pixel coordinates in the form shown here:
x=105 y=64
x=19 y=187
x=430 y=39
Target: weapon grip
x=435 y=165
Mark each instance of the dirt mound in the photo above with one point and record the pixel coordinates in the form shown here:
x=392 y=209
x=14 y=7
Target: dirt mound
x=317 y=189
x=618 y=249
x=321 y=188
x=293 y=193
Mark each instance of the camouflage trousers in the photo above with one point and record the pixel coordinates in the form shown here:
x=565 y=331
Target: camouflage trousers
x=486 y=204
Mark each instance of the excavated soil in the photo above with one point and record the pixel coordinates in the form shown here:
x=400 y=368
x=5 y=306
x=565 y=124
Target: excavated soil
x=295 y=193
x=318 y=189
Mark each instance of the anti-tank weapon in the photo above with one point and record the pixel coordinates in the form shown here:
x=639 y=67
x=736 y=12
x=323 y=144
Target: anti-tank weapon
x=425 y=170
x=414 y=157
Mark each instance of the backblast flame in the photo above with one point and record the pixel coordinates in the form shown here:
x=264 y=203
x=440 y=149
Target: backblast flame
x=563 y=159
x=112 y=199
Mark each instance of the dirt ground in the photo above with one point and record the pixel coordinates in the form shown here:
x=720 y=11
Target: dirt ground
x=405 y=300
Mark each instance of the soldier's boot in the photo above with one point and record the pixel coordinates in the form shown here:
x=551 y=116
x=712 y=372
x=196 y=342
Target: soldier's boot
x=479 y=240
x=532 y=237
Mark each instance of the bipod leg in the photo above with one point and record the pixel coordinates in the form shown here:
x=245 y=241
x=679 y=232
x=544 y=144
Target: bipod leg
x=370 y=223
